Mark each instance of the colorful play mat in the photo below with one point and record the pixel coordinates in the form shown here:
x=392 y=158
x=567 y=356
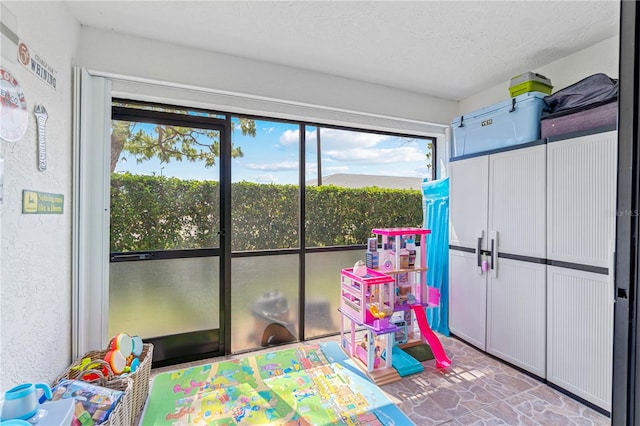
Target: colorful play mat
x=313 y=384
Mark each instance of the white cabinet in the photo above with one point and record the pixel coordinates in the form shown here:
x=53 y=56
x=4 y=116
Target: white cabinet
x=468 y=201
x=467 y=298
x=581 y=199
x=580 y=334
x=543 y=217
x=581 y=193
x=516 y=315
x=497 y=218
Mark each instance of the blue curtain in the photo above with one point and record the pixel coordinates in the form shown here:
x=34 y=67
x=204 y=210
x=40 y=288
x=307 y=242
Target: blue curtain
x=436 y=218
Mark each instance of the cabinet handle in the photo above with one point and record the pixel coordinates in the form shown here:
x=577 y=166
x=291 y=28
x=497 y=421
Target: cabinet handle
x=493 y=252
x=478 y=252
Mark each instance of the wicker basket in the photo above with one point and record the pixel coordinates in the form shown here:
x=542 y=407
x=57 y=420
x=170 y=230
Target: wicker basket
x=122 y=414
x=139 y=379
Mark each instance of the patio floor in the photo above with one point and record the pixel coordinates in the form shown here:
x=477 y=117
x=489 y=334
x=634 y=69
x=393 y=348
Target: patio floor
x=476 y=390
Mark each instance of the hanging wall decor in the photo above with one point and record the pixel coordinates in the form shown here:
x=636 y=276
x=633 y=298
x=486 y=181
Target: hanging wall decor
x=41 y=118
x=34 y=63
x=14 y=117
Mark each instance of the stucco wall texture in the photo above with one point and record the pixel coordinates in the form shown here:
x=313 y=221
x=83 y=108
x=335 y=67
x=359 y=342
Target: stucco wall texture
x=35 y=274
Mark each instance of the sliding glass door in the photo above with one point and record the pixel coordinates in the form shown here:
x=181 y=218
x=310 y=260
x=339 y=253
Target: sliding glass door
x=166 y=230
x=265 y=242
x=227 y=232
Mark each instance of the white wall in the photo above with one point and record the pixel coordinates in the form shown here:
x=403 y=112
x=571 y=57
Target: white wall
x=601 y=57
x=35 y=289
x=107 y=51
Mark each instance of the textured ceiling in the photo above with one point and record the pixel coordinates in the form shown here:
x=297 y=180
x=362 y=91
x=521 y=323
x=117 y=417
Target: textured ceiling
x=448 y=49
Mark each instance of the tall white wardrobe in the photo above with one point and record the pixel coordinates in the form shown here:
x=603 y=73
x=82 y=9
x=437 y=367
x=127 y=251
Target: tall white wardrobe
x=531 y=244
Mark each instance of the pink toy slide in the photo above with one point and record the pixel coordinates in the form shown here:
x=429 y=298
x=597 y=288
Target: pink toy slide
x=442 y=360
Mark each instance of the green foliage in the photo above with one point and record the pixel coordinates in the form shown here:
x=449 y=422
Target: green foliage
x=264 y=216
x=160 y=213
x=175 y=143
x=342 y=216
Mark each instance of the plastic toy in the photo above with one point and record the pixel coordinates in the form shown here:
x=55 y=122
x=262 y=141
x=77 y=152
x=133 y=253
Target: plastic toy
x=88 y=364
x=116 y=360
x=136 y=346
x=123 y=352
x=360 y=268
x=121 y=342
x=369 y=300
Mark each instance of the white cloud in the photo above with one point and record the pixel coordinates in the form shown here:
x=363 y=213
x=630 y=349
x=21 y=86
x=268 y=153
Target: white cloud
x=351 y=147
x=334 y=138
x=273 y=167
x=290 y=137
x=404 y=154
x=266 y=178
x=342 y=139
x=311 y=168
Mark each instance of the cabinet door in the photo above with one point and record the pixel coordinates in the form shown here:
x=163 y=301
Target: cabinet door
x=581 y=199
x=467 y=298
x=517 y=202
x=516 y=315
x=468 y=188
x=580 y=333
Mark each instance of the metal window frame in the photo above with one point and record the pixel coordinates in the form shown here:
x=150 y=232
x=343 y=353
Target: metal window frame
x=225 y=250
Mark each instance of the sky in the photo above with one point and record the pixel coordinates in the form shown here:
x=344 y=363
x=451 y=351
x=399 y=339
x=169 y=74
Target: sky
x=272 y=156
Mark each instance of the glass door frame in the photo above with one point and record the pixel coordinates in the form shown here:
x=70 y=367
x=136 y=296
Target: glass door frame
x=625 y=405
x=195 y=345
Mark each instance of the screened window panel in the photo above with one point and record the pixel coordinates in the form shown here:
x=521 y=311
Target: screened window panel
x=264 y=300
x=163 y=201
x=322 y=278
x=264 y=192
x=358 y=180
x=164 y=297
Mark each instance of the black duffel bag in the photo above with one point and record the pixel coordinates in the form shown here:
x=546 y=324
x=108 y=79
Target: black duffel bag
x=597 y=89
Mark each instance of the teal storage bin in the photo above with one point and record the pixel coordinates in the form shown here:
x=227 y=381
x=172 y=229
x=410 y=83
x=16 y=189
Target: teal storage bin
x=511 y=122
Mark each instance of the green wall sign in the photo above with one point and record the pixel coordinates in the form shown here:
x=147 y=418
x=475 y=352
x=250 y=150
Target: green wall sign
x=35 y=202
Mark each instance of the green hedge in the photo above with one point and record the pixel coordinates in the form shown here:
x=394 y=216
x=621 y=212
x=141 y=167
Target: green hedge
x=339 y=216
x=161 y=213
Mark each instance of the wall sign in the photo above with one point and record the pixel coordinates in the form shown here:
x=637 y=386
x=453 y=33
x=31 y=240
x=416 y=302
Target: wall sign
x=14 y=117
x=35 y=202
x=36 y=65
x=41 y=117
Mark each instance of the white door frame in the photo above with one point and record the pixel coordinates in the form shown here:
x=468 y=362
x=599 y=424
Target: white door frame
x=90 y=240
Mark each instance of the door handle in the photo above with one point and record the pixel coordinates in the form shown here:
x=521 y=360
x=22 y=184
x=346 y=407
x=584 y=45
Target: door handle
x=493 y=252
x=479 y=253
x=132 y=256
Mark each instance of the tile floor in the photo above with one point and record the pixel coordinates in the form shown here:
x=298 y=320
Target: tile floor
x=480 y=390
x=475 y=390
